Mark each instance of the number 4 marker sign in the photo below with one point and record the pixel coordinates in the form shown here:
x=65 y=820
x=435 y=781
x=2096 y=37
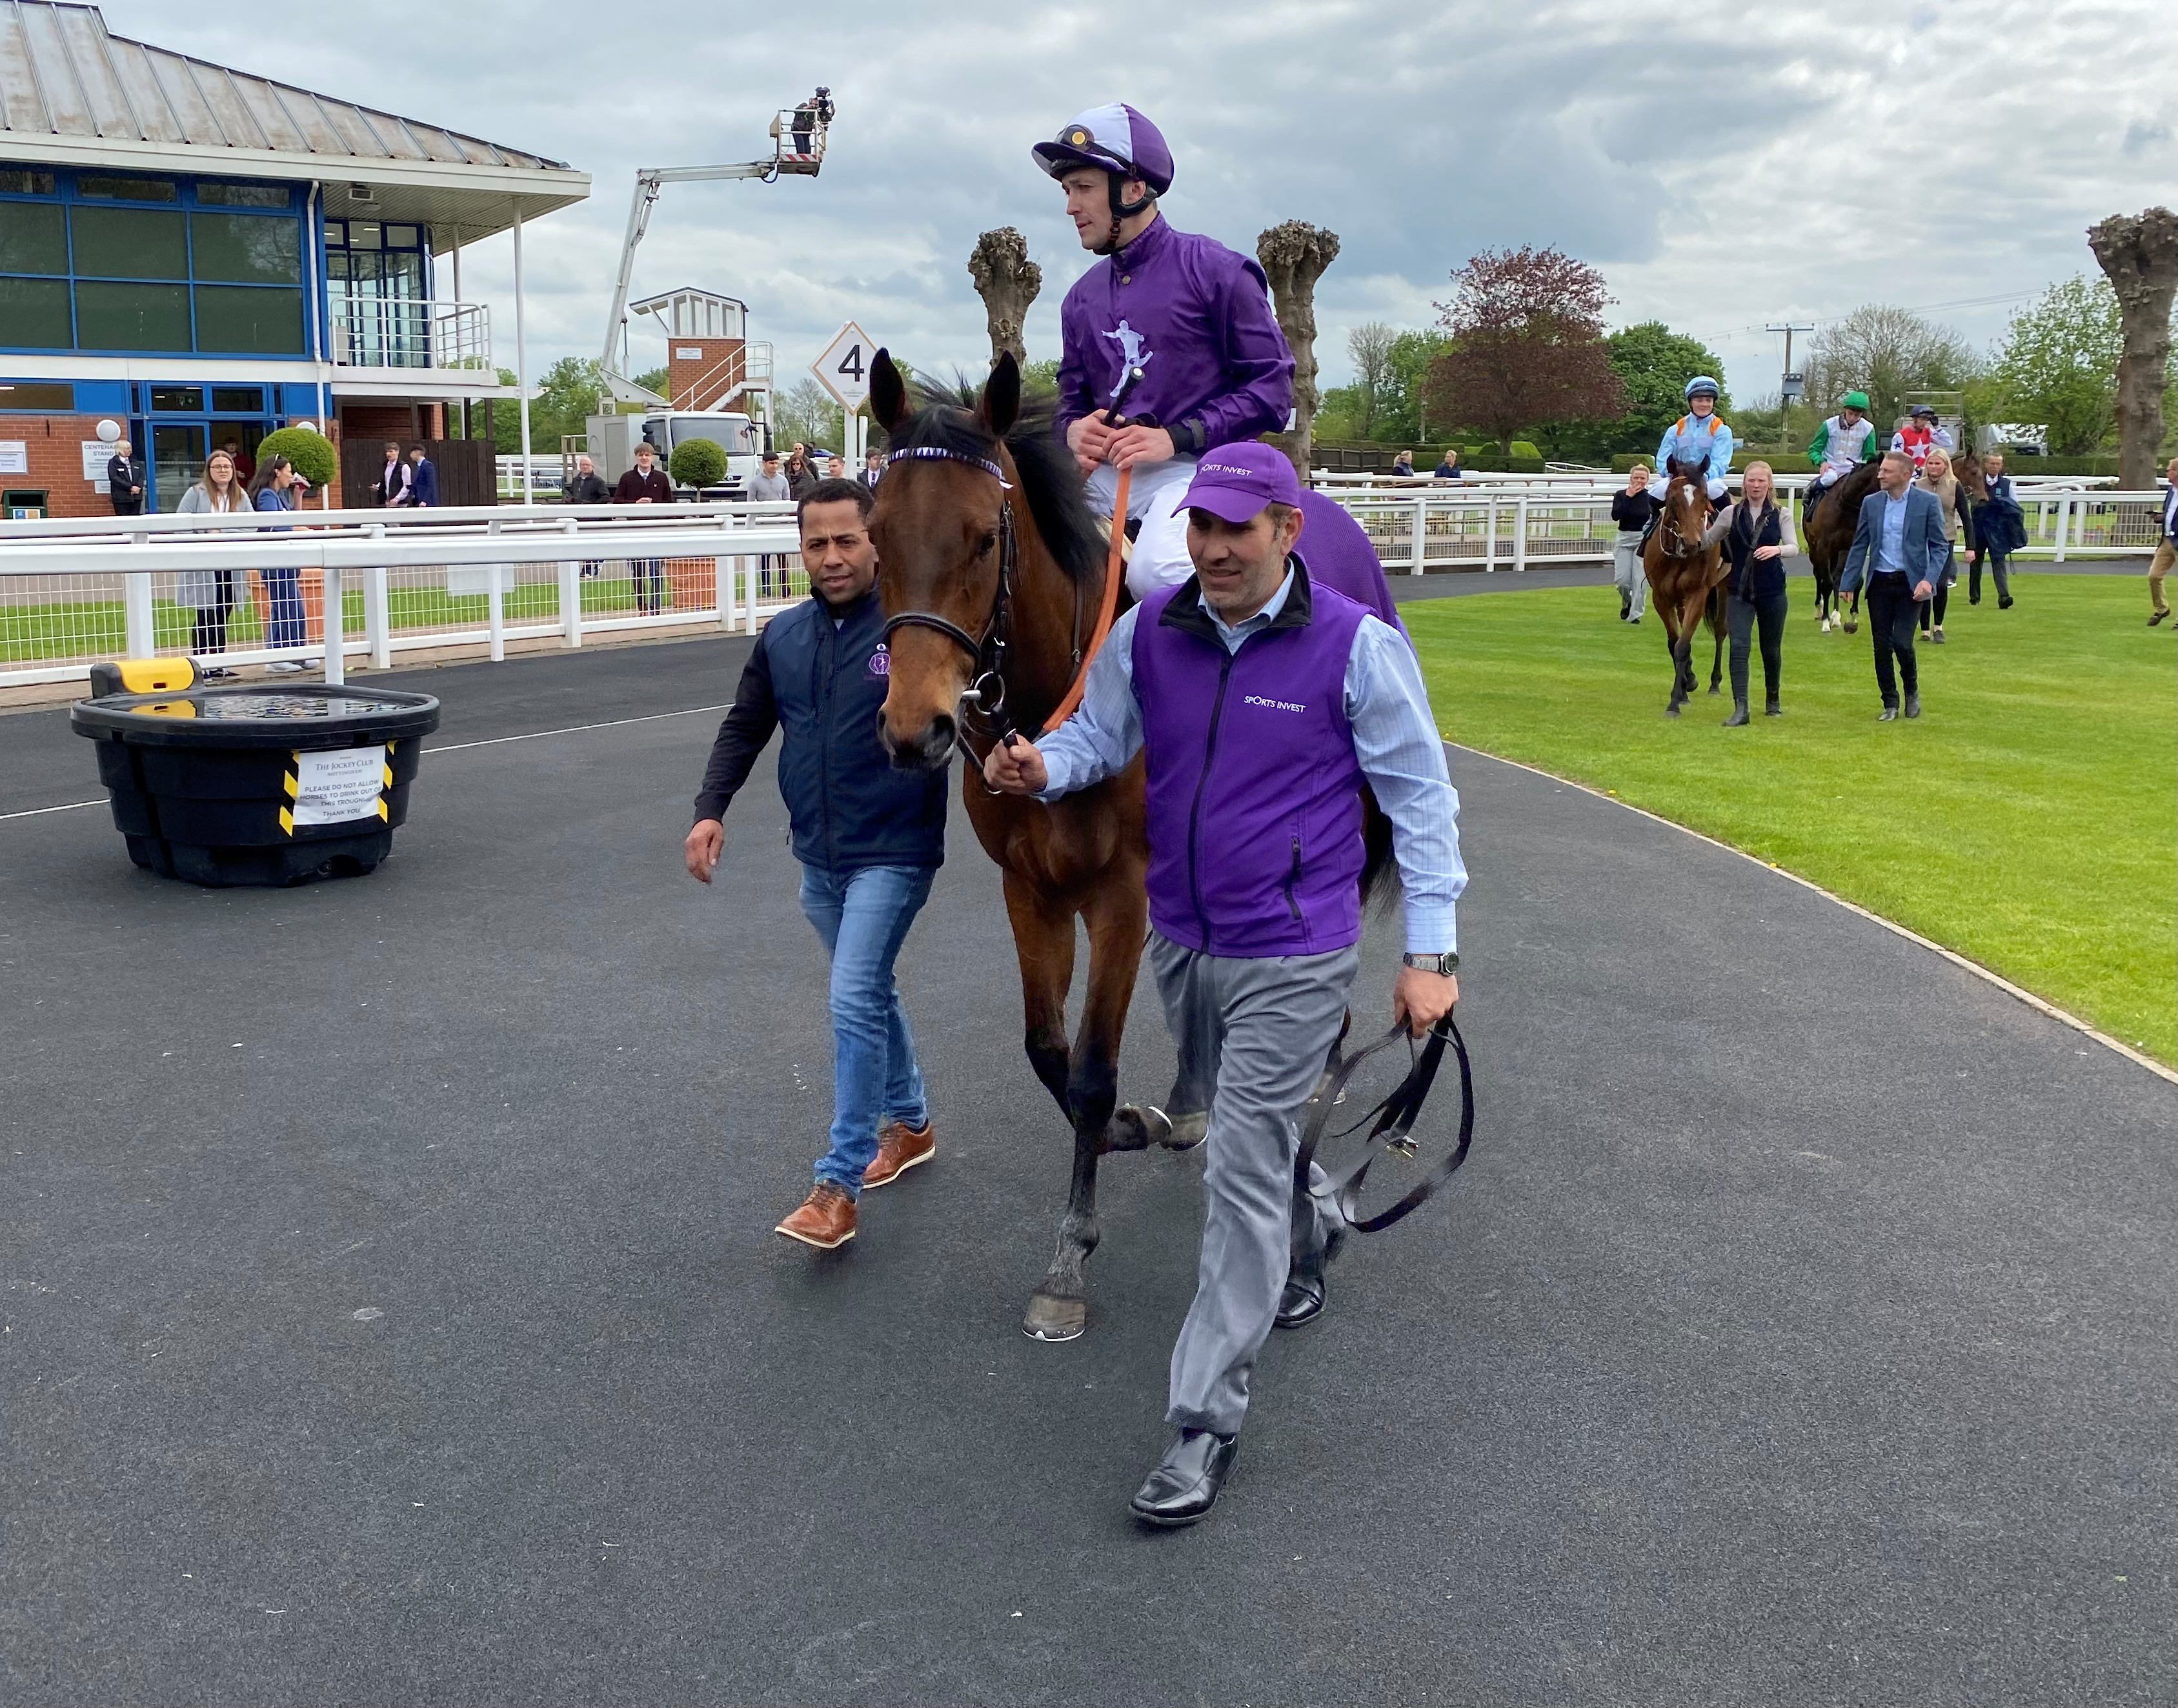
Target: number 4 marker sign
x=844 y=368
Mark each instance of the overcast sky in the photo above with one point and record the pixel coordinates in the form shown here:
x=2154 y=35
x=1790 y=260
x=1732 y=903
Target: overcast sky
x=1962 y=148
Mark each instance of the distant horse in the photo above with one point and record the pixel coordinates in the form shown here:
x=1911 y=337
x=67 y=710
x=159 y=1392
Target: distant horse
x=1685 y=578
x=992 y=572
x=1828 y=537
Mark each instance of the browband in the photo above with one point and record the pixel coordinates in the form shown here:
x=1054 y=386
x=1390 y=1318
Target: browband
x=942 y=455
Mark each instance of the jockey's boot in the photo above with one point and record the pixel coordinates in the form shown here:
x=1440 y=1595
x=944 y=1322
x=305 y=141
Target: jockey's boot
x=1738 y=717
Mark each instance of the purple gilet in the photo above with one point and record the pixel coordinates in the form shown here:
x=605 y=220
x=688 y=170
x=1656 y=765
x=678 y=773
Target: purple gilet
x=1196 y=317
x=1255 y=792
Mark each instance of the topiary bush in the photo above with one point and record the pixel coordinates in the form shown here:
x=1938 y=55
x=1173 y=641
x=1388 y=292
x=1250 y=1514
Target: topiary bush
x=697 y=462
x=311 y=453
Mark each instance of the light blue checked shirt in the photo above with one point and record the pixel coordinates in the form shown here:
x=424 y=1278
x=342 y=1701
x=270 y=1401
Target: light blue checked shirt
x=1395 y=740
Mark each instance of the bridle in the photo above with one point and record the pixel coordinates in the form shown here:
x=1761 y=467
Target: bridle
x=987 y=652
x=1675 y=542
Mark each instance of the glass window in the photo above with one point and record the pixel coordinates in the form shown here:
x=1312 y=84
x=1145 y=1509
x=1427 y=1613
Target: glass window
x=238 y=399
x=20 y=180
x=246 y=248
x=113 y=242
x=33 y=238
x=132 y=317
x=361 y=234
x=276 y=195
x=336 y=234
x=110 y=188
x=401 y=238
x=33 y=314
x=23 y=394
x=236 y=318
x=178 y=400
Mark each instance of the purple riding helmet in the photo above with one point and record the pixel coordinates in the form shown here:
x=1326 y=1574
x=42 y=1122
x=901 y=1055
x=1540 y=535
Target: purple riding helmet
x=1118 y=141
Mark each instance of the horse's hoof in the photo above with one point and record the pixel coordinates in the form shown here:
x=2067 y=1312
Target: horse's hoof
x=1054 y=1319
x=1851 y=626
x=1185 y=1132
x=1714 y=689
x=1670 y=711
x=1131 y=1129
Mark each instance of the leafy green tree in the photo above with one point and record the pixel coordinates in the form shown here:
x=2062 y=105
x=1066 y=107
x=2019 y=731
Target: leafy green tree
x=2058 y=365
x=1040 y=380
x=806 y=411
x=658 y=379
x=1527 y=327
x=1887 y=353
x=1654 y=363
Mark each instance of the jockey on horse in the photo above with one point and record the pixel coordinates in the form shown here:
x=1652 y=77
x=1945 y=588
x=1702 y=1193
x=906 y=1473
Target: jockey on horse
x=1842 y=443
x=1698 y=438
x=1193 y=316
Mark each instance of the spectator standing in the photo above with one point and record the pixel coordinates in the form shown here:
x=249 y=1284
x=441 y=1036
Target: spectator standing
x=1898 y=550
x=1757 y=534
x=392 y=486
x=770 y=487
x=586 y=487
x=244 y=469
x=2166 y=548
x=209 y=592
x=800 y=477
x=1403 y=465
x=869 y=838
x=2000 y=530
x=873 y=469
x=646 y=483
x=835 y=468
x=272 y=489
x=1632 y=510
x=423 y=479
x=1936 y=477
x=1447 y=467
x=124 y=480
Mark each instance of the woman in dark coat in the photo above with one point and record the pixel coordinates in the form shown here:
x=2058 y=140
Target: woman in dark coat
x=2000 y=530
x=1757 y=532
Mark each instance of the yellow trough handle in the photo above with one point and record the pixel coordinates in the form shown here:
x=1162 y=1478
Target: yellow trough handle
x=143 y=676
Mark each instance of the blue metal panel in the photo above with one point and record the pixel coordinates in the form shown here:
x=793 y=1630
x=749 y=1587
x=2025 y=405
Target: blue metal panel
x=102 y=396
x=300 y=402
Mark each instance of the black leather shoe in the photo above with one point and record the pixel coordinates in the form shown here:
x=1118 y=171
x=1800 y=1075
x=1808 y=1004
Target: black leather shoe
x=1302 y=1300
x=1912 y=705
x=1738 y=718
x=1184 y=1485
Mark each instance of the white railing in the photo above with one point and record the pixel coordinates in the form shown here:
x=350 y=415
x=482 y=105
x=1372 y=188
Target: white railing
x=545 y=475
x=377 y=583
x=1574 y=480
x=411 y=332
x=1427 y=526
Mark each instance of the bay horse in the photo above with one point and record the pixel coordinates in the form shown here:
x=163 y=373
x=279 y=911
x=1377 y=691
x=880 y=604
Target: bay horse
x=990 y=567
x=1828 y=537
x=1685 y=578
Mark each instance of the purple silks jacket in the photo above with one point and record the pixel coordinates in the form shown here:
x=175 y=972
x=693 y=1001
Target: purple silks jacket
x=1337 y=551
x=1255 y=792
x=1196 y=317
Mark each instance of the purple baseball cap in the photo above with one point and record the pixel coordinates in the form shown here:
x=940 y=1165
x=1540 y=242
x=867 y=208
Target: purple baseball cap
x=1110 y=139
x=1234 y=482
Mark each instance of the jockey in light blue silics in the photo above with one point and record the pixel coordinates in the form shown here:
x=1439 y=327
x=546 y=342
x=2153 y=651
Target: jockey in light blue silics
x=1192 y=315
x=1698 y=436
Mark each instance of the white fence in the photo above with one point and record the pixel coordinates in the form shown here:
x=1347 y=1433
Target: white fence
x=1422 y=526
x=337 y=585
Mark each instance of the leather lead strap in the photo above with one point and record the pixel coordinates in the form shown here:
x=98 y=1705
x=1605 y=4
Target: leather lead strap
x=1390 y=1123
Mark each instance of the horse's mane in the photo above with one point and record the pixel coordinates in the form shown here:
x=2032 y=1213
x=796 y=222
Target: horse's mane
x=945 y=419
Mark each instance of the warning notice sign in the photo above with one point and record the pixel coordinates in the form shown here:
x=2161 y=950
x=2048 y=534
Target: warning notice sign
x=337 y=788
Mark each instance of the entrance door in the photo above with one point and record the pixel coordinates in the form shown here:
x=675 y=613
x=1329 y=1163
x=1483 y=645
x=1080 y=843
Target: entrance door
x=178 y=459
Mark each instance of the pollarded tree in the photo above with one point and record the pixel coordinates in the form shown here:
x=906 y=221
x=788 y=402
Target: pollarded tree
x=2058 y=366
x=2140 y=258
x=1527 y=329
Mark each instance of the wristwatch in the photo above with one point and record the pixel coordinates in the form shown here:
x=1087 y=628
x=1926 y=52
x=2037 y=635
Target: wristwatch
x=1438 y=964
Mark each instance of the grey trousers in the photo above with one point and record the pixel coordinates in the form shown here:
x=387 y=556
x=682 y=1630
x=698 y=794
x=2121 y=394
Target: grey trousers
x=1257 y=1031
x=1627 y=572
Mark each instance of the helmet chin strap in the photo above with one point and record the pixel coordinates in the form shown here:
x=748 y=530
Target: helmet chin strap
x=1122 y=210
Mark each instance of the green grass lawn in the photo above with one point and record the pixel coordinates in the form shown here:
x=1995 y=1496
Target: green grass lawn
x=2028 y=820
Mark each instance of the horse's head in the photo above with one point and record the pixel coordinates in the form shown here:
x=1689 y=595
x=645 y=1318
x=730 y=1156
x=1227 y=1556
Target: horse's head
x=1686 y=506
x=941 y=514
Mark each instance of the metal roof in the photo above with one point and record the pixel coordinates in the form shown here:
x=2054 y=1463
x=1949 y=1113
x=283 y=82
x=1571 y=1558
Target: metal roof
x=72 y=93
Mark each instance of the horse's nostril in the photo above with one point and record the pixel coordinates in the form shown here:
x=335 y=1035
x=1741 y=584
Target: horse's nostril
x=939 y=738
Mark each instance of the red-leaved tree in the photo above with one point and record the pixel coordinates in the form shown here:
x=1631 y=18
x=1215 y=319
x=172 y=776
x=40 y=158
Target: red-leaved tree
x=1527 y=328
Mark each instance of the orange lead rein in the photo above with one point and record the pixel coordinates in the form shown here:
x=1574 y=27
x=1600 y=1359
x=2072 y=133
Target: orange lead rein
x=1114 y=570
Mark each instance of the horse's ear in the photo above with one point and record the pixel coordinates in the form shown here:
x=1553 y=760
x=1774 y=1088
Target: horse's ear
x=888 y=393
x=1000 y=406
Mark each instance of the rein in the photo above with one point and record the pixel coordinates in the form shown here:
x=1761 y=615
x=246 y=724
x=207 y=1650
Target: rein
x=1675 y=544
x=989 y=687
x=1393 y=1120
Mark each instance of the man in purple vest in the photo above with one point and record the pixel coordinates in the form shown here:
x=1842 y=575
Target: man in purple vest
x=1262 y=702
x=1193 y=316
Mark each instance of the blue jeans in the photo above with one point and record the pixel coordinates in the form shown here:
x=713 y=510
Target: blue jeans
x=863 y=917
x=283 y=589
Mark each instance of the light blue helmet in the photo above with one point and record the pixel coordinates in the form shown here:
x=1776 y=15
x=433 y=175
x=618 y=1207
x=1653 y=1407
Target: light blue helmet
x=1701 y=382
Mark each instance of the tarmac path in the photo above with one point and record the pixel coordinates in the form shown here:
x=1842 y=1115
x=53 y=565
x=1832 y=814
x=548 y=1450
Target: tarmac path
x=389 y=1310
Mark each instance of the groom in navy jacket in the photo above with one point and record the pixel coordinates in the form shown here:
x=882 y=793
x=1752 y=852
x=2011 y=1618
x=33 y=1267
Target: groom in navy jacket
x=1899 y=551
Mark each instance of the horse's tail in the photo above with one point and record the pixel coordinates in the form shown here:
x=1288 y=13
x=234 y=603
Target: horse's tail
x=1380 y=872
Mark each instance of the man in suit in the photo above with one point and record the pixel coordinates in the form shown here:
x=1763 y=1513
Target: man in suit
x=1899 y=551
x=422 y=478
x=873 y=469
x=393 y=478
x=2166 y=548
x=124 y=480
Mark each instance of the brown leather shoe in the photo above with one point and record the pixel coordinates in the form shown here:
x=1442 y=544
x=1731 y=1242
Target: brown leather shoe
x=899 y=1148
x=825 y=1220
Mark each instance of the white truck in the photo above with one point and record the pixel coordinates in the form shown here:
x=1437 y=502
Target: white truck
x=612 y=439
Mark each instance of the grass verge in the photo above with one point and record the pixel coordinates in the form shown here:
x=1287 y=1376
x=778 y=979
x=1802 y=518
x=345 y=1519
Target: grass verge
x=2029 y=820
